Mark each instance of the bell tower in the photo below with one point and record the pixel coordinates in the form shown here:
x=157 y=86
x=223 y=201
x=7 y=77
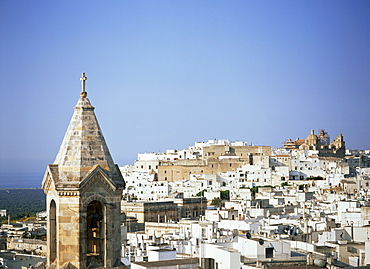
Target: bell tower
x=83 y=188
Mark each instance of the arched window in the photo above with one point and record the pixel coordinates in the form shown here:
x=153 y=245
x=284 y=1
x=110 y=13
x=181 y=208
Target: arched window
x=95 y=232
x=53 y=230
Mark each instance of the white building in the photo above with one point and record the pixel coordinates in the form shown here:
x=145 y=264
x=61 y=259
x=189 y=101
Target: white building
x=141 y=185
x=3 y=213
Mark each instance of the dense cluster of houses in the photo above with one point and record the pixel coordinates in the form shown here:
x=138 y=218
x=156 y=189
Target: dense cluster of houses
x=222 y=204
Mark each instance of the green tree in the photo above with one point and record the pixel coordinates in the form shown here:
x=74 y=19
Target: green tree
x=26 y=234
x=225 y=195
x=201 y=193
x=216 y=201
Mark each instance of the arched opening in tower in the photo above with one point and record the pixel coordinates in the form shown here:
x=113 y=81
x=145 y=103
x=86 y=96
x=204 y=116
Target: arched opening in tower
x=95 y=231
x=53 y=231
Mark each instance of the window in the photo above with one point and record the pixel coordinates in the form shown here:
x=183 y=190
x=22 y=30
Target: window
x=269 y=252
x=52 y=230
x=204 y=234
x=351 y=249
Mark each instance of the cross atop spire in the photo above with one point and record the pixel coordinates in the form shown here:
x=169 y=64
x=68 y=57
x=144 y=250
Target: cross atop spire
x=83 y=93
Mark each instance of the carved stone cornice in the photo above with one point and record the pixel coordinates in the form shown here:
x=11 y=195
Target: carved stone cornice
x=68 y=193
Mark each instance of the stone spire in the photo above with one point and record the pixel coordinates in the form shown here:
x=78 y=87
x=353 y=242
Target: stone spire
x=83 y=146
x=83 y=190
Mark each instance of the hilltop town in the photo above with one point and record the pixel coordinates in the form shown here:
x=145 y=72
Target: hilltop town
x=217 y=204
x=236 y=204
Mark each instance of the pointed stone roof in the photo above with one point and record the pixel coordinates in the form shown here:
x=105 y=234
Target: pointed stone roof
x=84 y=146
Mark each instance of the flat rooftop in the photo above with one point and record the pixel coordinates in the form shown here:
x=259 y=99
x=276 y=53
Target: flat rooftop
x=168 y=262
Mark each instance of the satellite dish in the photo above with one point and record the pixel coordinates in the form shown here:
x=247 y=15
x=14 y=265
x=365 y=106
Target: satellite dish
x=249 y=236
x=261 y=241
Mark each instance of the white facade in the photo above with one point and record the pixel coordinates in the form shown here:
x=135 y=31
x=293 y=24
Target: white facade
x=263 y=249
x=161 y=255
x=3 y=213
x=140 y=185
x=225 y=256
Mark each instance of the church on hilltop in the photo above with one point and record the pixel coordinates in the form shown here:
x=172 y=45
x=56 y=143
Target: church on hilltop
x=321 y=143
x=83 y=188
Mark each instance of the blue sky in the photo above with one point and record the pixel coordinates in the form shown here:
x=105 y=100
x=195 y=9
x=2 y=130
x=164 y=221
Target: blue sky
x=164 y=74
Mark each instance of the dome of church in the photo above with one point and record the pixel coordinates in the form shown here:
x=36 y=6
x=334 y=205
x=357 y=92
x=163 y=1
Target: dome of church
x=312 y=138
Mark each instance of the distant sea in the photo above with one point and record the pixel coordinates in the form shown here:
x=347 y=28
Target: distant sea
x=21 y=180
